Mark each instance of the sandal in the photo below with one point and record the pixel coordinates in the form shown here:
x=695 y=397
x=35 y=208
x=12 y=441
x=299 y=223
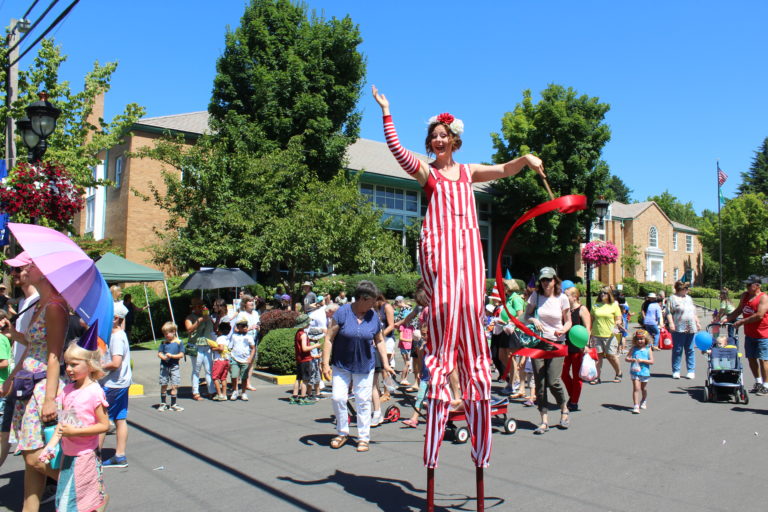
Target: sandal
x=596 y=381
x=362 y=446
x=618 y=378
x=564 y=421
x=543 y=428
x=339 y=441
x=410 y=423
x=196 y=397
x=404 y=383
x=412 y=389
x=529 y=403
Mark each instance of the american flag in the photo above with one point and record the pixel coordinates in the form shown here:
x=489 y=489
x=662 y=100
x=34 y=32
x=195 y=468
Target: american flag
x=721 y=176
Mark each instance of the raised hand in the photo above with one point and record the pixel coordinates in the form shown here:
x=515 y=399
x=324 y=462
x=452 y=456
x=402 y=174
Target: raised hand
x=381 y=100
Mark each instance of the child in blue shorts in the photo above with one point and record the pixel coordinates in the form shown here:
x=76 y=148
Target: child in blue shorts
x=640 y=357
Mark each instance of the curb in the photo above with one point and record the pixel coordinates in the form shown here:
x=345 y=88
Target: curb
x=280 y=380
x=136 y=390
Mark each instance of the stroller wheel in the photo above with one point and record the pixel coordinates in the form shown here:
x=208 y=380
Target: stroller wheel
x=709 y=396
x=743 y=395
x=462 y=435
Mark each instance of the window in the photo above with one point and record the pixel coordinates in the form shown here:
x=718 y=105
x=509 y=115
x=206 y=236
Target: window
x=653 y=237
x=483 y=211
x=118 y=171
x=674 y=245
x=688 y=243
x=676 y=274
x=90 y=213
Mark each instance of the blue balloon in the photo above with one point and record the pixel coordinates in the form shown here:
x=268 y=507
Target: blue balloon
x=703 y=340
x=568 y=284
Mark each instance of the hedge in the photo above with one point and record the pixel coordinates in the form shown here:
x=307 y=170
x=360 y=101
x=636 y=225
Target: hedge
x=276 y=319
x=181 y=300
x=391 y=285
x=276 y=351
x=647 y=287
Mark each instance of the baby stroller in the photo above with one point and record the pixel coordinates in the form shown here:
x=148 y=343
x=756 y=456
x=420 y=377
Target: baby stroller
x=725 y=376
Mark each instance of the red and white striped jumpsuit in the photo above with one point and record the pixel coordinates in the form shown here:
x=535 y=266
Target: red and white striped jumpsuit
x=453 y=269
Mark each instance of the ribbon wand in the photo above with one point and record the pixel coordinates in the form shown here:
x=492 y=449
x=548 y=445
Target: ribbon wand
x=549 y=190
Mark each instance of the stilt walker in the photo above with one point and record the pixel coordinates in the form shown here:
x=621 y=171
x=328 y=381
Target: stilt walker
x=453 y=270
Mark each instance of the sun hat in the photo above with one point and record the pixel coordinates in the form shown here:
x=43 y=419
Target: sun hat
x=307 y=283
x=241 y=319
x=547 y=273
x=399 y=298
x=20 y=260
x=302 y=321
x=651 y=295
x=120 y=310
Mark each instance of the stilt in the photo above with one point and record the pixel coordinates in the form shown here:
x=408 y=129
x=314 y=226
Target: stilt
x=430 y=489
x=480 y=490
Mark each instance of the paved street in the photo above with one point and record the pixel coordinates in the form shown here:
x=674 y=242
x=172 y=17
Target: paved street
x=681 y=454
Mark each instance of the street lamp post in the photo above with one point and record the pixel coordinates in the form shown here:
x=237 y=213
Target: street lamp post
x=601 y=208
x=37 y=126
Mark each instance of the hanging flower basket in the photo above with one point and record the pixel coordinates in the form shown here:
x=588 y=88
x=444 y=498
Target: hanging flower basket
x=45 y=190
x=599 y=253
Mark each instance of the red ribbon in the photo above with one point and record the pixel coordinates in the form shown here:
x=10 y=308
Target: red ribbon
x=565 y=204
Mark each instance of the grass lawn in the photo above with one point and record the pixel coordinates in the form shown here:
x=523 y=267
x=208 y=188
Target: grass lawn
x=146 y=345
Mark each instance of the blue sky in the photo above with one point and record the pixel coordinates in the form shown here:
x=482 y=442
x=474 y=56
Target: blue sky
x=686 y=80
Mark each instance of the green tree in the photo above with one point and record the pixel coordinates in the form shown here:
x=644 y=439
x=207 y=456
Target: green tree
x=568 y=132
x=630 y=259
x=619 y=191
x=76 y=143
x=289 y=76
x=756 y=178
x=745 y=238
x=266 y=188
x=677 y=210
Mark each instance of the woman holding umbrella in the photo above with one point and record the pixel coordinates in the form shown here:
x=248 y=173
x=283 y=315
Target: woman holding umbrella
x=44 y=340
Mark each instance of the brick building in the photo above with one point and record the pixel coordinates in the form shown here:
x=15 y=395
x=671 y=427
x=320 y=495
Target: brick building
x=667 y=251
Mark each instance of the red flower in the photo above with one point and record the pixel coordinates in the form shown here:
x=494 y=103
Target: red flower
x=445 y=117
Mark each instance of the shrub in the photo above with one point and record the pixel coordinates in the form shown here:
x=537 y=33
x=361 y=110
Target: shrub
x=158 y=304
x=258 y=290
x=276 y=319
x=276 y=351
x=391 y=285
x=699 y=292
x=629 y=287
x=653 y=287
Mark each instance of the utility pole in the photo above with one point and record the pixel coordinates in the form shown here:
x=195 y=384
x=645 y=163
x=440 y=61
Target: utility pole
x=17 y=28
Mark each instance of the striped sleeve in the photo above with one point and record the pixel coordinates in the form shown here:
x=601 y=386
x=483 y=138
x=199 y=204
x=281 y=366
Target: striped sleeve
x=405 y=158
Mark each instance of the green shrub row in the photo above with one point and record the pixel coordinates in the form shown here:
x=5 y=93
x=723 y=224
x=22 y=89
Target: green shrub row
x=276 y=351
x=391 y=285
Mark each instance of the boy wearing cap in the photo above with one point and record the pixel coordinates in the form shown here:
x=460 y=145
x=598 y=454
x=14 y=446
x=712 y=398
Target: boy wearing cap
x=241 y=351
x=303 y=353
x=116 y=385
x=753 y=306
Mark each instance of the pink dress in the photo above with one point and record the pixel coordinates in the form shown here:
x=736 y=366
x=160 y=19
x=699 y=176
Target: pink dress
x=27 y=427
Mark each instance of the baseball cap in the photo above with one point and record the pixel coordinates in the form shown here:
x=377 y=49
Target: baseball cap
x=20 y=260
x=753 y=279
x=547 y=273
x=399 y=298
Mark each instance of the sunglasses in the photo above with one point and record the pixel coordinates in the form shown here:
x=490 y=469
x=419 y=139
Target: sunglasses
x=16 y=270
x=545 y=279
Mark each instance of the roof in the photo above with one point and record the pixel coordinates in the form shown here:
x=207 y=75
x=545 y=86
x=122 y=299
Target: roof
x=115 y=269
x=365 y=155
x=632 y=211
x=192 y=122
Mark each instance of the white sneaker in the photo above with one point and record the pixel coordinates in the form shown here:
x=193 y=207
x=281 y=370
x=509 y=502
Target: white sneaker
x=690 y=375
x=234 y=395
x=676 y=375
x=244 y=397
x=376 y=419
x=636 y=410
x=643 y=405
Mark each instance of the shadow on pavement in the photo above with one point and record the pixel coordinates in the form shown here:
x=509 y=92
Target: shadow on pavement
x=394 y=495
x=617 y=407
x=302 y=505
x=317 y=439
x=12 y=494
x=749 y=409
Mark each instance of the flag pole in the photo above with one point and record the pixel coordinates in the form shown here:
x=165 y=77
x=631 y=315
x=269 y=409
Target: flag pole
x=719 y=223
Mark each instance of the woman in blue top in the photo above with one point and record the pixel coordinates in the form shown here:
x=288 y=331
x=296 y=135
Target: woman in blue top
x=355 y=332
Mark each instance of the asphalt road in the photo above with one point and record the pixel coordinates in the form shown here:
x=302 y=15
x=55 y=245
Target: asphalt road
x=681 y=454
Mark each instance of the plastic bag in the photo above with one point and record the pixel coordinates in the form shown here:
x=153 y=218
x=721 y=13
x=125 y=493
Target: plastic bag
x=588 y=371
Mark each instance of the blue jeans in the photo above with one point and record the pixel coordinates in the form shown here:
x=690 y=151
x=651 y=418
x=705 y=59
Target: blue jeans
x=683 y=341
x=203 y=359
x=653 y=330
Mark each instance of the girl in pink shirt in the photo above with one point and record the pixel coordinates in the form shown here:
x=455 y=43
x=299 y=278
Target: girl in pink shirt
x=82 y=417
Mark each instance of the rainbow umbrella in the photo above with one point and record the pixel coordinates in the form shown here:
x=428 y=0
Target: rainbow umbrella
x=71 y=272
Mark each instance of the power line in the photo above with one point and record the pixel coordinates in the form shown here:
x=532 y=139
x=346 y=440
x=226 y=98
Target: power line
x=37 y=22
x=55 y=22
x=30 y=9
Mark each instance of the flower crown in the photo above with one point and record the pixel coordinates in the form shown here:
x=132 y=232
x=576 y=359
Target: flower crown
x=455 y=125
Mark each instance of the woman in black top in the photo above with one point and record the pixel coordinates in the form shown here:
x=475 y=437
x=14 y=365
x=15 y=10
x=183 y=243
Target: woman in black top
x=579 y=316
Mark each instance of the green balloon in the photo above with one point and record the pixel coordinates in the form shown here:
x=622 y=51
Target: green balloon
x=579 y=336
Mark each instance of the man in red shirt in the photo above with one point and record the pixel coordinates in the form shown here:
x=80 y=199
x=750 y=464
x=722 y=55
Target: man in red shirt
x=754 y=306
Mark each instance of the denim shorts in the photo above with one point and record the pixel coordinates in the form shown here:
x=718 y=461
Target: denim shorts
x=170 y=375
x=756 y=348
